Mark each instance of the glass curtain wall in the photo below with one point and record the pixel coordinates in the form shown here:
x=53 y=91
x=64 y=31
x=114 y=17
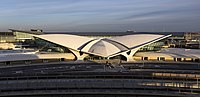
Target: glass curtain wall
x=48 y=47
x=7 y=37
x=153 y=47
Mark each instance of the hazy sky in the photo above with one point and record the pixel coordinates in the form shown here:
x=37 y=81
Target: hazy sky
x=100 y=15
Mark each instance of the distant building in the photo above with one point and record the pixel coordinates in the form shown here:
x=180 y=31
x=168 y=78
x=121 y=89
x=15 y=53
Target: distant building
x=192 y=36
x=188 y=40
x=7 y=37
x=25 y=35
x=176 y=42
x=192 y=39
x=18 y=38
x=6 y=40
x=170 y=54
x=36 y=30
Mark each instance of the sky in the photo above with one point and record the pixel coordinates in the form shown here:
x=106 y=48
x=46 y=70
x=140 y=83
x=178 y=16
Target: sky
x=101 y=15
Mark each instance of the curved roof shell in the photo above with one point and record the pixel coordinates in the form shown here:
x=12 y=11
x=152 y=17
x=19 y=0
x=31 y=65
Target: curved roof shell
x=69 y=41
x=104 y=47
x=132 y=41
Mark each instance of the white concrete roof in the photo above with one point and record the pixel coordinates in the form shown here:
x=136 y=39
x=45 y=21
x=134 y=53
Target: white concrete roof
x=104 y=46
x=172 y=52
x=33 y=56
x=69 y=41
x=135 y=40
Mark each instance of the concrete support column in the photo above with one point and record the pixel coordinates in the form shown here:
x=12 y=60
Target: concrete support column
x=78 y=55
x=129 y=54
x=130 y=58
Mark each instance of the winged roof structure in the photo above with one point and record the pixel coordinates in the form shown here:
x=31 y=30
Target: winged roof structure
x=105 y=47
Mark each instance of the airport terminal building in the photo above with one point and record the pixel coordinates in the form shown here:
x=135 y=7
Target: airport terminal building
x=127 y=46
x=107 y=48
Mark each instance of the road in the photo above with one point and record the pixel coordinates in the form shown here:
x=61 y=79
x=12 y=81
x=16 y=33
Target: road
x=145 y=79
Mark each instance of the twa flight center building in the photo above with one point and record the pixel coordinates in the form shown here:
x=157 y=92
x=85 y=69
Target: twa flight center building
x=106 y=48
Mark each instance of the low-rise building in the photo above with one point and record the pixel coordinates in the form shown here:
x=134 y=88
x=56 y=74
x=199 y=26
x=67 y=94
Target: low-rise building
x=7 y=37
x=176 y=42
x=192 y=39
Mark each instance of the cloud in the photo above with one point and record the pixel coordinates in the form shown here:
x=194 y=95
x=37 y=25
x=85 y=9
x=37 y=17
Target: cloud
x=83 y=14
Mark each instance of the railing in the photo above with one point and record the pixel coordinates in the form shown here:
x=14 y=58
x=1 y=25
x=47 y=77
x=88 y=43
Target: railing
x=127 y=86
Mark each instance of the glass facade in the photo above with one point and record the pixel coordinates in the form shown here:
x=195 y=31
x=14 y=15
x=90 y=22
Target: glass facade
x=152 y=47
x=11 y=37
x=7 y=37
x=48 y=47
x=22 y=36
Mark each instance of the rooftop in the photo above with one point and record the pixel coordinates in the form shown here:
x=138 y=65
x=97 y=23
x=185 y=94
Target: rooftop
x=172 y=52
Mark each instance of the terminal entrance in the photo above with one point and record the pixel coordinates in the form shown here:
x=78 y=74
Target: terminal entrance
x=114 y=60
x=119 y=57
x=93 y=57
